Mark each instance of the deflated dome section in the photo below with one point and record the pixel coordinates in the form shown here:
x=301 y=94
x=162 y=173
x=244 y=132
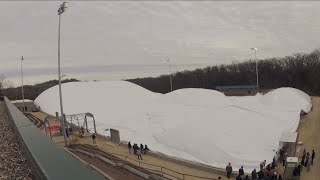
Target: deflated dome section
x=288 y=98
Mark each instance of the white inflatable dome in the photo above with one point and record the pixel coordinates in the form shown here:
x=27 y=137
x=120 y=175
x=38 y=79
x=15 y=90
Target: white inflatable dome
x=200 y=125
x=288 y=98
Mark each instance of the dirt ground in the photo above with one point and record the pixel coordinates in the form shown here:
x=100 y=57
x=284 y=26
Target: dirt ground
x=309 y=132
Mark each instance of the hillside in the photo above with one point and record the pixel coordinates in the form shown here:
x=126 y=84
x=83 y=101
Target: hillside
x=32 y=91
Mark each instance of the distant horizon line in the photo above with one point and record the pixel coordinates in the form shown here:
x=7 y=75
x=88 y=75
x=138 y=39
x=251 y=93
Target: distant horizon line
x=92 y=69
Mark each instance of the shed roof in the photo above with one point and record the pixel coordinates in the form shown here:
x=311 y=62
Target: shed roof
x=21 y=101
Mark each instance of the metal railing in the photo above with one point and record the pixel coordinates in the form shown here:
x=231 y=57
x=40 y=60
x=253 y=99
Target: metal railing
x=157 y=169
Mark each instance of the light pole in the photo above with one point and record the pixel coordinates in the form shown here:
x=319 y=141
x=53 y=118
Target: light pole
x=22 y=85
x=63 y=7
x=257 y=73
x=170 y=63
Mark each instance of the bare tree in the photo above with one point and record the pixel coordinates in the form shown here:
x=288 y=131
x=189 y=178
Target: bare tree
x=300 y=70
x=4 y=84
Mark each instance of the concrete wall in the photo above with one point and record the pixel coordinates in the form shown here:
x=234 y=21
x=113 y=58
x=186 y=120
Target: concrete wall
x=45 y=159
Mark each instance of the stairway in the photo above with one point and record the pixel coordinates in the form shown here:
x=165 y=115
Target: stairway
x=36 y=121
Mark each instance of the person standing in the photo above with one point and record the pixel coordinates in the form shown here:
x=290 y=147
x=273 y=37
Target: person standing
x=239 y=177
x=145 y=149
x=303 y=156
x=268 y=167
x=67 y=132
x=70 y=129
x=246 y=178
x=279 y=178
x=229 y=170
x=82 y=130
x=307 y=159
x=309 y=164
x=93 y=138
x=241 y=171
x=254 y=174
x=261 y=174
x=284 y=157
x=263 y=164
x=129 y=147
x=296 y=172
x=141 y=148
x=139 y=153
x=281 y=153
x=274 y=175
x=312 y=156
x=135 y=146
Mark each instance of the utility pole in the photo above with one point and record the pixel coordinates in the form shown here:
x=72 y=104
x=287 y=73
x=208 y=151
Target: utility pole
x=62 y=9
x=22 y=92
x=257 y=73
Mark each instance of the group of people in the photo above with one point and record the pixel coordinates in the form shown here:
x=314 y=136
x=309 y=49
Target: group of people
x=266 y=172
x=269 y=171
x=138 y=150
x=307 y=159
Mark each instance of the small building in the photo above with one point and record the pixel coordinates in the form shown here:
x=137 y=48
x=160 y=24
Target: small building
x=242 y=90
x=28 y=105
x=288 y=142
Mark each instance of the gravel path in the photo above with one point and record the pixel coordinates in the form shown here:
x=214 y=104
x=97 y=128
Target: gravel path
x=12 y=163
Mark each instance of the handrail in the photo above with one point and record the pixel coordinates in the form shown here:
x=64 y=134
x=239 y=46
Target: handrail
x=162 y=172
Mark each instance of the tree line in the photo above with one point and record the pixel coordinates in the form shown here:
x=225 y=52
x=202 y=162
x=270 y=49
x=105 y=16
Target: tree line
x=30 y=91
x=301 y=71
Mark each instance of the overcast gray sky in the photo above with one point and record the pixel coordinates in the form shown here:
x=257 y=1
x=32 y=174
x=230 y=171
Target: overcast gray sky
x=129 y=39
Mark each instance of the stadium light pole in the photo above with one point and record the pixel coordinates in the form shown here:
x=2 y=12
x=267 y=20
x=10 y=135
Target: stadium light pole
x=63 y=7
x=170 y=64
x=22 y=92
x=257 y=73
